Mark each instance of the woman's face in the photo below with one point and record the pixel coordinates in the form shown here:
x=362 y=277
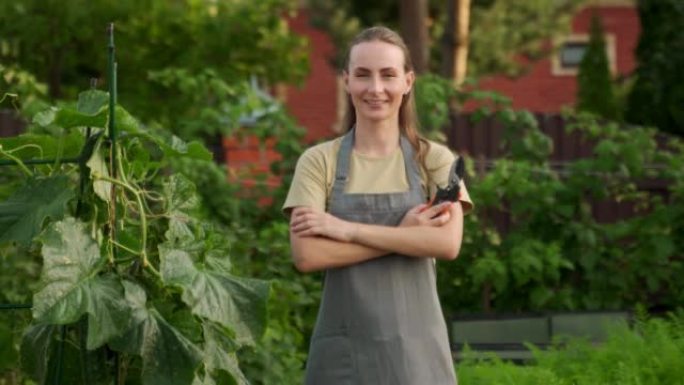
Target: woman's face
x=376 y=80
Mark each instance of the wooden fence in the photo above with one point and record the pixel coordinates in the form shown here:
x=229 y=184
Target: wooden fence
x=10 y=124
x=482 y=140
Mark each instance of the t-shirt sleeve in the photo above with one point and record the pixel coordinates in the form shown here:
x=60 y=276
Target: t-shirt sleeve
x=308 y=186
x=439 y=160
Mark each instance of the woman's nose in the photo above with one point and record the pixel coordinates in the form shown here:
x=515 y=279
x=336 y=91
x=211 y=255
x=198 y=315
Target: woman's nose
x=375 y=84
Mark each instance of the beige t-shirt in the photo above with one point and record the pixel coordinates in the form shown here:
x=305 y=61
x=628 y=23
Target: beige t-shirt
x=315 y=171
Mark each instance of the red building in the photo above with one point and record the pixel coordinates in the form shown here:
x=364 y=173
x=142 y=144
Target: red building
x=315 y=104
x=547 y=87
x=551 y=84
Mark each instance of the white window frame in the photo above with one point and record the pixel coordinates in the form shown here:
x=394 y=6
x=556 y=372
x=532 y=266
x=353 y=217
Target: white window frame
x=558 y=70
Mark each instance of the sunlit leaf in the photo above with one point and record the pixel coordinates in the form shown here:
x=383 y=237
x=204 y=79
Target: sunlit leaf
x=178 y=147
x=71 y=286
x=234 y=302
x=45 y=118
x=182 y=204
x=97 y=164
x=92 y=102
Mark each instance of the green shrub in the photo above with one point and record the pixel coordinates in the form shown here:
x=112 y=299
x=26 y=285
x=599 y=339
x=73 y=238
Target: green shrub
x=651 y=352
x=554 y=254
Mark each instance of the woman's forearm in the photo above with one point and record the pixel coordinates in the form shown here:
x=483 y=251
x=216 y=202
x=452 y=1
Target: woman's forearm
x=314 y=253
x=443 y=242
x=321 y=241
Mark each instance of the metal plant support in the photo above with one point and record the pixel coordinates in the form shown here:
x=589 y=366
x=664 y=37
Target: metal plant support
x=81 y=160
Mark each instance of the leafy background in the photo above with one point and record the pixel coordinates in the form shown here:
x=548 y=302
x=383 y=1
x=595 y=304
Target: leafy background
x=205 y=234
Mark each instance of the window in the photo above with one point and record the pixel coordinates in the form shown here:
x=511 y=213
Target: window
x=571 y=54
x=567 y=59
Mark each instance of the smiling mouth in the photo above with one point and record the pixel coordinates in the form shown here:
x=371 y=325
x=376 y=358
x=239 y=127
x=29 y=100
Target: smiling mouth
x=375 y=102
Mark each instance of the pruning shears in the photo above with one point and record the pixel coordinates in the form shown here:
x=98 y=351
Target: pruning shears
x=452 y=191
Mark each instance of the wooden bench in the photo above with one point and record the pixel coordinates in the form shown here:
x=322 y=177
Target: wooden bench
x=506 y=336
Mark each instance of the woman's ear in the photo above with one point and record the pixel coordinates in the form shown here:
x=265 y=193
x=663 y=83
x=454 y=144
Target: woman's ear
x=410 y=79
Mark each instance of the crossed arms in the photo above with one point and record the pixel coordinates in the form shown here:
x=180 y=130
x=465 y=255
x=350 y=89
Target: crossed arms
x=321 y=241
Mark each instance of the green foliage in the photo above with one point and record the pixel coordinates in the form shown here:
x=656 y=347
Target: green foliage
x=232 y=39
x=292 y=307
x=502 y=33
x=22 y=215
x=658 y=93
x=594 y=82
x=18 y=85
x=648 y=353
x=553 y=254
x=130 y=263
x=436 y=98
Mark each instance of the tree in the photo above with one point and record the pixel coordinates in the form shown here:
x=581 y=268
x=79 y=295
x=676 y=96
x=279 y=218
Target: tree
x=658 y=93
x=344 y=19
x=413 y=23
x=60 y=42
x=594 y=82
x=505 y=31
x=455 y=41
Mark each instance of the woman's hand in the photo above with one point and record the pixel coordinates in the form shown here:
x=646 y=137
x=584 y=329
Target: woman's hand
x=306 y=222
x=422 y=215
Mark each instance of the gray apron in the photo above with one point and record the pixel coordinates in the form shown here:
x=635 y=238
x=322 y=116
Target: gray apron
x=380 y=321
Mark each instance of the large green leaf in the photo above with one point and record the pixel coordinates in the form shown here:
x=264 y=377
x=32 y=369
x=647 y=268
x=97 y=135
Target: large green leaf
x=71 y=286
x=181 y=196
x=182 y=205
x=33 y=146
x=172 y=146
x=92 y=102
x=179 y=148
x=219 y=353
x=22 y=215
x=36 y=347
x=91 y=111
x=234 y=302
x=124 y=121
x=67 y=117
x=168 y=357
x=8 y=353
x=40 y=358
x=191 y=260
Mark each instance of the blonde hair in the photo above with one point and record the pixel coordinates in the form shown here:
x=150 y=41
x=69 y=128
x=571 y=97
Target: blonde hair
x=408 y=118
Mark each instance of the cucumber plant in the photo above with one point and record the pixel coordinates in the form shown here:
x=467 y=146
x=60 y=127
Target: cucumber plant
x=136 y=284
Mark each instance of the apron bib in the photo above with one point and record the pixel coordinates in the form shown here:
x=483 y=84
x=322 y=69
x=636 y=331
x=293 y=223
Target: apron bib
x=380 y=321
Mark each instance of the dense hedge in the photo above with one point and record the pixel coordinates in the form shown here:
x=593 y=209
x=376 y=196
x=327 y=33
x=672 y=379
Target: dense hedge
x=555 y=255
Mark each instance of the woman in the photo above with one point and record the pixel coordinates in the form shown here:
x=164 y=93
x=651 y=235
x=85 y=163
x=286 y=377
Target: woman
x=357 y=210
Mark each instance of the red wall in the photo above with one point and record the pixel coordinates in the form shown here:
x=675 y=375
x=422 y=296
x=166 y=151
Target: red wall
x=541 y=91
x=314 y=105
